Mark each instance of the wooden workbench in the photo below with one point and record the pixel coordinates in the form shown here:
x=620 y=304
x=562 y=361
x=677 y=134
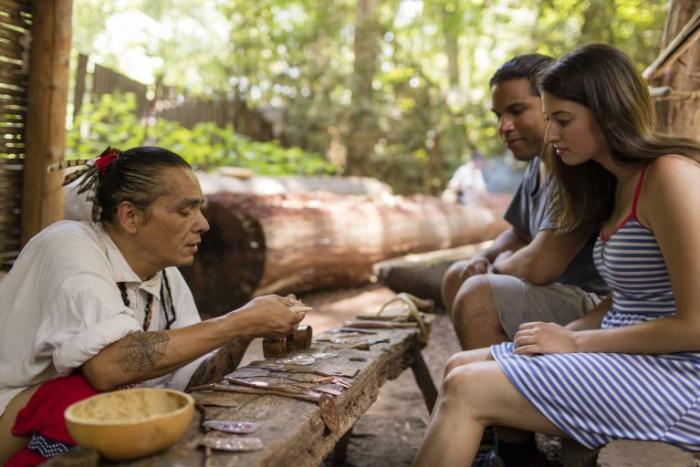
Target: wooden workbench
x=292 y=430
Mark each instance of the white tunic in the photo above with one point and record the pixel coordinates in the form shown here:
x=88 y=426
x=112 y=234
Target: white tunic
x=60 y=305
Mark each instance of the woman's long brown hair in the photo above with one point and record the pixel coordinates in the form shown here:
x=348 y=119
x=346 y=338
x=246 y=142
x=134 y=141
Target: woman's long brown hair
x=605 y=80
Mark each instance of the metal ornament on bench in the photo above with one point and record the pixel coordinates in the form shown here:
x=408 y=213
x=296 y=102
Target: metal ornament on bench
x=232 y=443
x=228 y=426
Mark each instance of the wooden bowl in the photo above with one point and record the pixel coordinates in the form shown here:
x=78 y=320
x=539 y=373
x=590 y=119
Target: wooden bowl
x=132 y=423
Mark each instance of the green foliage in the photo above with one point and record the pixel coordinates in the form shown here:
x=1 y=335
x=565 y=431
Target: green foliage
x=635 y=26
x=110 y=123
x=205 y=147
x=429 y=97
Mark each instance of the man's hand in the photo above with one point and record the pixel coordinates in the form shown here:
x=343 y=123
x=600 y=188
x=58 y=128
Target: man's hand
x=272 y=315
x=541 y=338
x=266 y=316
x=146 y=355
x=474 y=266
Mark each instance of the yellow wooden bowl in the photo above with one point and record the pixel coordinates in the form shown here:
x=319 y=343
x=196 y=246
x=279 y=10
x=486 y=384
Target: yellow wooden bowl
x=132 y=423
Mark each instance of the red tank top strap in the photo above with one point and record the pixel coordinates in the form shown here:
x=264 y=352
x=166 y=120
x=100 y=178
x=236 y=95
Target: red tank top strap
x=640 y=183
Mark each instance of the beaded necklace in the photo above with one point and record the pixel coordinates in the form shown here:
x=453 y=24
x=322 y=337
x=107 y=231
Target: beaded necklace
x=148 y=310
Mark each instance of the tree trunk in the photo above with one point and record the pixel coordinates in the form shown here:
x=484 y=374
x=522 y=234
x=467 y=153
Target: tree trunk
x=679 y=116
x=451 y=17
x=79 y=88
x=596 y=25
x=76 y=207
x=363 y=130
x=47 y=97
x=299 y=242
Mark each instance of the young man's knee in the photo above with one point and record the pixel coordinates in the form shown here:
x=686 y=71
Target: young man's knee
x=451 y=282
x=454 y=272
x=474 y=296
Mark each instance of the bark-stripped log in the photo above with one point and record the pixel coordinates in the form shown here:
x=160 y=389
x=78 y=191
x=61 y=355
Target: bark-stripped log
x=77 y=207
x=299 y=242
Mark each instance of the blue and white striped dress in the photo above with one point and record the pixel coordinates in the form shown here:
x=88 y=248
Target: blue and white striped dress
x=598 y=397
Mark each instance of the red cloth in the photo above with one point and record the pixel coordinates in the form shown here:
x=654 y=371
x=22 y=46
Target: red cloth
x=105 y=159
x=43 y=414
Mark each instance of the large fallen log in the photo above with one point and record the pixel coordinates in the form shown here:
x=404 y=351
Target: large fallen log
x=77 y=208
x=421 y=274
x=300 y=242
x=225 y=179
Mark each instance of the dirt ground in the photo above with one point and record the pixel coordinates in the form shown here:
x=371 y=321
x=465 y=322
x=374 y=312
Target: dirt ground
x=389 y=433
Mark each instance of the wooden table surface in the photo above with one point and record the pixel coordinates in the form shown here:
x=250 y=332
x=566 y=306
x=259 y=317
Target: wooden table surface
x=292 y=430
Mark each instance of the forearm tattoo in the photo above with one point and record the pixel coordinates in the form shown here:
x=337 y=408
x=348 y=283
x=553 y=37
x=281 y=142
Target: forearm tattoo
x=141 y=350
x=224 y=361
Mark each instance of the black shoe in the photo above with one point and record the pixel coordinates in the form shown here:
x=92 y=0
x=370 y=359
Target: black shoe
x=488 y=440
x=488 y=459
x=491 y=459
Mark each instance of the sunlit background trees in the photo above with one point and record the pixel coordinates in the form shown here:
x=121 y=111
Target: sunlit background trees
x=395 y=89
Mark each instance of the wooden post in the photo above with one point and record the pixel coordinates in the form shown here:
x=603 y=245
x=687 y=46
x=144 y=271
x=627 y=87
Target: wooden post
x=79 y=90
x=47 y=96
x=680 y=116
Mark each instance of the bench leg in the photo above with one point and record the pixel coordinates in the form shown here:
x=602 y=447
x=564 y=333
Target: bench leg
x=340 y=451
x=423 y=379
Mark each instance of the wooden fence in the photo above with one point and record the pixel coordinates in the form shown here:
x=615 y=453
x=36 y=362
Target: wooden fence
x=167 y=104
x=106 y=81
x=15 y=22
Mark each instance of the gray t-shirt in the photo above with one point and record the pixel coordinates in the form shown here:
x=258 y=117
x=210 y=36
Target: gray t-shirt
x=531 y=210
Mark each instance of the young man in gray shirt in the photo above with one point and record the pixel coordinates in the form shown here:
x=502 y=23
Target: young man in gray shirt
x=530 y=272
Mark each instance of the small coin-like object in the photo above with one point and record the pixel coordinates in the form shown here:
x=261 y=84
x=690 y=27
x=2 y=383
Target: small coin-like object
x=323 y=355
x=232 y=443
x=297 y=360
x=249 y=372
x=227 y=426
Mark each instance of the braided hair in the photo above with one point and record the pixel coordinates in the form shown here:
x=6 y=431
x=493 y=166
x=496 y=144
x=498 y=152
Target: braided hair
x=132 y=175
x=116 y=176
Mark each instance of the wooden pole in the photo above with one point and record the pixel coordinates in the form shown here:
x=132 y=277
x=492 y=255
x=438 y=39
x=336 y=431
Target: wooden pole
x=679 y=116
x=79 y=90
x=47 y=96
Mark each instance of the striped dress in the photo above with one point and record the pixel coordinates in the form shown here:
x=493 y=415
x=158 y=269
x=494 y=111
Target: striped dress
x=598 y=397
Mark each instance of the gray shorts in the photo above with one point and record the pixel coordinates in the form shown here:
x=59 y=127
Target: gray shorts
x=520 y=302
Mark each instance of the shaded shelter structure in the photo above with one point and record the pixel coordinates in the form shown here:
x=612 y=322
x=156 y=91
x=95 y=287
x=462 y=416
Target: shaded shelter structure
x=35 y=40
x=675 y=71
x=15 y=22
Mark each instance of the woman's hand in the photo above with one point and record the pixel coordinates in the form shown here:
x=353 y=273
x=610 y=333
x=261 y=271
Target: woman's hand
x=540 y=338
x=272 y=315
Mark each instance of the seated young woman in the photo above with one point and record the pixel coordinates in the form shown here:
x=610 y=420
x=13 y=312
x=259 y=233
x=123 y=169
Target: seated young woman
x=95 y=306
x=631 y=368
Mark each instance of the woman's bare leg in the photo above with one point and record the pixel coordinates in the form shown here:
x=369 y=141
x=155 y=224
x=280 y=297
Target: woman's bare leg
x=466 y=357
x=463 y=358
x=474 y=396
x=482 y=355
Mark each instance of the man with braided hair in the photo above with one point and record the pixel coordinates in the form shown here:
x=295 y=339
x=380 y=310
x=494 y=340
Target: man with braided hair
x=91 y=307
